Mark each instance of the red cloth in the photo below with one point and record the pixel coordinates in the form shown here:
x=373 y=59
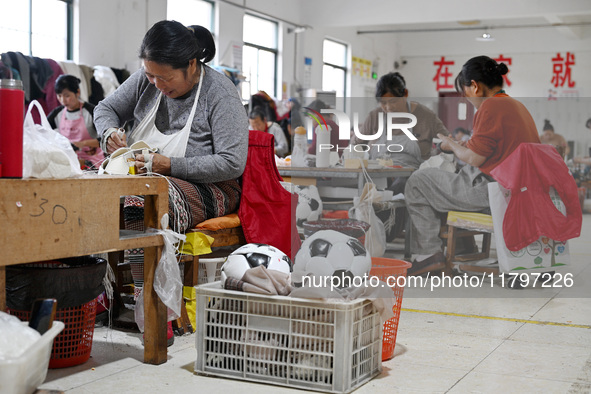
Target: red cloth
x=500 y=125
x=267 y=210
x=529 y=172
x=51 y=100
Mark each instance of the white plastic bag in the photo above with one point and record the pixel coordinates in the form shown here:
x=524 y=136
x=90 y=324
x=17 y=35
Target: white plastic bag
x=375 y=239
x=443 y=161
x=542 y=254
x=46 y=153
x=167 y=278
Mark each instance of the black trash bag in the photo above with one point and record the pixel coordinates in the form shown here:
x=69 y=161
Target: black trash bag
x=351 y=227
x=72 y=282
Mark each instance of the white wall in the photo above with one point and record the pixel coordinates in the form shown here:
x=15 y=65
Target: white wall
x=110 y=33
x=530 y=73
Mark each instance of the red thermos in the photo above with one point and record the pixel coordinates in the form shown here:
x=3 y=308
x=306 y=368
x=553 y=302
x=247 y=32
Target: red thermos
x=12 y=110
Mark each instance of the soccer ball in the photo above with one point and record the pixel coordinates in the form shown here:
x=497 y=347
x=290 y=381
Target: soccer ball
x=329 y=253
x=309 y=205
x=252 y=255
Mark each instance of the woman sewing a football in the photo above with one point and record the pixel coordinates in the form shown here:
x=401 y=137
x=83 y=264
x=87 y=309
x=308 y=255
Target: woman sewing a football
x=190 y=112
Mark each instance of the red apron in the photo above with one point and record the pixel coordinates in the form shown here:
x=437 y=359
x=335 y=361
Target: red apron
x=529 y=172
x=75 y=130
x=267 y=210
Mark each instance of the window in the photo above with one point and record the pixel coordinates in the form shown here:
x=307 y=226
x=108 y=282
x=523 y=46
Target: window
x=334 y=68
x=259 y=56
x=41 y=28
x=191 y=12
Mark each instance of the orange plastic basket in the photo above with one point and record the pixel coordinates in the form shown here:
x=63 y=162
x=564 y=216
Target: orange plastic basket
x=73 y=345
x=384 y=268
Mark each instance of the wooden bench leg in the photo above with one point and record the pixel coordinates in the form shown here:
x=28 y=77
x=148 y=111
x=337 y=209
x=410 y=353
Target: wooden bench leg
x=191 y=277
x=450 y=250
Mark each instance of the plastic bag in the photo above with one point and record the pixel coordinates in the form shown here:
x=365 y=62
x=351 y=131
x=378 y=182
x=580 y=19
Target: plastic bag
x=443 y=161
x=72 y=282
x=46 y=153
x=544 y=252
x=375 y=239
x=196 y=244
x=167 y=278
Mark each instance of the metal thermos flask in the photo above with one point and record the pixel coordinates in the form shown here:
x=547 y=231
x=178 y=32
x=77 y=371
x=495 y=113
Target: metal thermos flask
x=12 y=110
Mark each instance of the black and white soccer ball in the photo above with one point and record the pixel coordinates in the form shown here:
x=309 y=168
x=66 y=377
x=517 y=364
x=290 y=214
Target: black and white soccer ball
x=252 y=255
x=329 y=253
x=309 y=205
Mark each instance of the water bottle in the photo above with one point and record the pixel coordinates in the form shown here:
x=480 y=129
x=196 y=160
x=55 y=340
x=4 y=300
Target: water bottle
x=12 y=113
x=300 y=148
x=322 y=146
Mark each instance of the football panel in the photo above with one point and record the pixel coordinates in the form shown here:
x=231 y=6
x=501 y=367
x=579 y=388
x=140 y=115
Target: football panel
x=235 y=266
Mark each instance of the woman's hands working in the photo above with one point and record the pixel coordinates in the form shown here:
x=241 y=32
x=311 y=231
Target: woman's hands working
x=461 y=151
x=158 y=163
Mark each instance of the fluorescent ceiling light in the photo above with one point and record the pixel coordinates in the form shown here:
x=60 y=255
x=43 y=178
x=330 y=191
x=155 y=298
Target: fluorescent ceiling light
x=485 y=37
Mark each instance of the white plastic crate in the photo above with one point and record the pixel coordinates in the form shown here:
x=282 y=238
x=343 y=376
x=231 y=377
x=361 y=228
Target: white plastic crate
x=295 y=342
x=22 y=375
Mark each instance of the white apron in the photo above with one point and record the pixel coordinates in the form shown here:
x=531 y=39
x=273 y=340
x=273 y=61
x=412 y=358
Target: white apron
x=173 y=145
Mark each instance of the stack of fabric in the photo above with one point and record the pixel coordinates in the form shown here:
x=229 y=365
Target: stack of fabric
x=39 y=75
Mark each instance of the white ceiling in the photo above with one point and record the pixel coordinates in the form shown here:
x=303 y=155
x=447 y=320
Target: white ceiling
x=396 y=15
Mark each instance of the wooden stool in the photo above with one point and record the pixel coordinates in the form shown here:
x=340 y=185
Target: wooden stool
x=222 y=238
x=461 y=225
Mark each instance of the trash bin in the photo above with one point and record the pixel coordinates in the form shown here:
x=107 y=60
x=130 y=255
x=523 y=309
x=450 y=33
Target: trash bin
x=75 y=283
x=351 y=227
x=389 y=271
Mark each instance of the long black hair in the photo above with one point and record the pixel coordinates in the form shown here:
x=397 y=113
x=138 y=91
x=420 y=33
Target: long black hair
x=481 y=69
x=173 y=44
x=392 y=83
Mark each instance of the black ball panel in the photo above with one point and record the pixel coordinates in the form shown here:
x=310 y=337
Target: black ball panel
x=288 y=261
x=320 y=248
x=356 y=247
x=256 y=259
x=314 y=204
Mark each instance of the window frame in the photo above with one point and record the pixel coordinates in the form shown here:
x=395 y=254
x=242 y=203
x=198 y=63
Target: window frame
x=212 y=26
x=69 y=29
x=344 y=68
x=274 y=51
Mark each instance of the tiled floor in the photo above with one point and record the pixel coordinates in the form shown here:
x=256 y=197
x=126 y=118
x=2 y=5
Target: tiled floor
x=485 y=340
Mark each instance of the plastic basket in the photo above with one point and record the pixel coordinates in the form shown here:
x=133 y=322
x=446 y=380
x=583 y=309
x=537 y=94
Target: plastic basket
x=385 y=268
x=74 y=344
x=351 y=227
x=28 y=371
x=210 y=269
x=304 y=343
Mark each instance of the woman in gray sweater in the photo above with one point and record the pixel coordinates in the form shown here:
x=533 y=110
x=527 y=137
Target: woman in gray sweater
x=192 y=114
x=207 y=148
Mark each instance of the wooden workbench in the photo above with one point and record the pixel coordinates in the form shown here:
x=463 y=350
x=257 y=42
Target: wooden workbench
x=59 y=218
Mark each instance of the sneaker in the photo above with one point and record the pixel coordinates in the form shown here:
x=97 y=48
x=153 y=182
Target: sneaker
x=169 y=334
x=433 y=263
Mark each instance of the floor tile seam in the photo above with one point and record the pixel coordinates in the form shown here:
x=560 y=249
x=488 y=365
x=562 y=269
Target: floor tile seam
x=497 y=318
x=573 y=381
x=93 y=381
x=502 y=341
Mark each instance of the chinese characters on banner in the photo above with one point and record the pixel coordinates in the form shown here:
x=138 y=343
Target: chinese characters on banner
x=507 y=61
x=561 y=70
x=442 y=76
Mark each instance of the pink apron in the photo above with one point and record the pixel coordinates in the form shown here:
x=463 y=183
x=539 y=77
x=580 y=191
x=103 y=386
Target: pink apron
x=75 y=130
